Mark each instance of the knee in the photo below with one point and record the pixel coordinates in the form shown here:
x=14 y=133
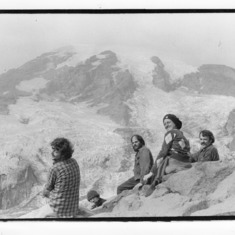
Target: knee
x=119 y=189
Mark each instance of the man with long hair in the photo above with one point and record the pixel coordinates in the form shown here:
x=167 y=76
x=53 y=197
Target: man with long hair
x=143 y=164
x=62 y=187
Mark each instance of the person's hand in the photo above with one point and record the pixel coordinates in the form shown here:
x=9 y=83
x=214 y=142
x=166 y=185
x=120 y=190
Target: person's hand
x=159 y=161
x=191 y=159
x=45 y=193
x=137 y=186
x=190 y=155
x=146 y=177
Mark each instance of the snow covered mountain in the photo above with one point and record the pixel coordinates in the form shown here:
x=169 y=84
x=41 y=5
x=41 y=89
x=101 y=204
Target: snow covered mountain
x=98 y=99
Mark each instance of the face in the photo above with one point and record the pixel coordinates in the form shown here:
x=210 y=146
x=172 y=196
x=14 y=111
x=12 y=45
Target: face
x=136 y=144
x=56 y=155
x=204 y=141
x=169 y=125
x=94 y=199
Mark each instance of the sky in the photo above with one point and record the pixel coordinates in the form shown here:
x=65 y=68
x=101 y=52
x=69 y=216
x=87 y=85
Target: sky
x=193 y=38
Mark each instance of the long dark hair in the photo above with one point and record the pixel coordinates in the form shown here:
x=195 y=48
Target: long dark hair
x=139 y=138
x=64 y=146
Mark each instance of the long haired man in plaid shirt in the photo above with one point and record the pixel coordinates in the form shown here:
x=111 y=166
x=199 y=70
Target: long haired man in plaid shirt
x=62 y=187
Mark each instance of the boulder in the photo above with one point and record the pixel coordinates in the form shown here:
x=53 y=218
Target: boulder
x=205 y=189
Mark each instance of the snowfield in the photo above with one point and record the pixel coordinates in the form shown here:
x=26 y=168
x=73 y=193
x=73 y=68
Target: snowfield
x=105 y=156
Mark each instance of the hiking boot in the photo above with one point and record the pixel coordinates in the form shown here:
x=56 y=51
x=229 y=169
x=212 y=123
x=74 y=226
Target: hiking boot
x=150 y=190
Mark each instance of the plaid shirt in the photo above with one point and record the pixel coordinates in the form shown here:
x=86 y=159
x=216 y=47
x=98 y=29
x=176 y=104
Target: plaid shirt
x=63 y=184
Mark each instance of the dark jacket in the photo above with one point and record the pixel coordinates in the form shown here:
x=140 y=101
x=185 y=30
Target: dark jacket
x=98 y=203
x=143 y=163
x=209 y=153
x=175 y=145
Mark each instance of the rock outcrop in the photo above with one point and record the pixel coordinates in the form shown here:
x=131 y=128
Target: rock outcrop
x=230 y=128
x=99 y=102
x=211 y=79
x=206 y=189
x=161 y=78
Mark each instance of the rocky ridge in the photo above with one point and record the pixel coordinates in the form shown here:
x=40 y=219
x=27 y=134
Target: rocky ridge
x=204 y=190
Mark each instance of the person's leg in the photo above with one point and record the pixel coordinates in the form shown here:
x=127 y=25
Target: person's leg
x=51 y=215
x=44 y=211
x=127 y=185
x=175 y=166
x=155 y=181
x=150 y=180
x=157 y=178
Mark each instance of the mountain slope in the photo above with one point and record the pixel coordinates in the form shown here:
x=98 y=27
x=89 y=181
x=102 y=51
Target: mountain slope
x=99 y=101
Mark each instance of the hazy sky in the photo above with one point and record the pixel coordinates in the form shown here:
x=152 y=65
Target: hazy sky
x=193 y=38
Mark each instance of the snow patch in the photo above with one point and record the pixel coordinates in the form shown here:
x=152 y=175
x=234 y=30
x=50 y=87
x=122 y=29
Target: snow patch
x=140 y=66
x=82 y=52
x=101 y=56
x=98 y=148
x=197 y=112
x=32 y=85
x=64 y=51
x=95 y=64
x=177 y=69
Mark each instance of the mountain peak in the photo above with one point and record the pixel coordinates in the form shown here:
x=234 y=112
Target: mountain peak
x=157 y=61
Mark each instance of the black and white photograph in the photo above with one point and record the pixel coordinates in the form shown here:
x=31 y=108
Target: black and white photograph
x=117 y=115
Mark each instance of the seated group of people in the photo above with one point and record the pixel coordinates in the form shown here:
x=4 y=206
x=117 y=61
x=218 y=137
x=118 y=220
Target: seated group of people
x=63 y=183
x=174 y=155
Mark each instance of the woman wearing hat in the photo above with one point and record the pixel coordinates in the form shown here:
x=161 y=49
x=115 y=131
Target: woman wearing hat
x=174 y=152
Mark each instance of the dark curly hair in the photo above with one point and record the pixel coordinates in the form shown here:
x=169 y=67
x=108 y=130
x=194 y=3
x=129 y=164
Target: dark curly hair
x=64 y=146
x=139 y=138
x=208 y=134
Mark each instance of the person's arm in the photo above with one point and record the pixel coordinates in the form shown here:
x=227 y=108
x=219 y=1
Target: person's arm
x=211 y=155
x=93 y=206
x=146 y=160
x=45 y=193
x=215 y=155
x=193 y=157
x=167 y=143
x=50 y=183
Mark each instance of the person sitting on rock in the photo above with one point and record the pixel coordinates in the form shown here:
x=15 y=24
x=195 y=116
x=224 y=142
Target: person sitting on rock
x=62 y=187
x=208 y=151
x=142 y=166
x=95 y=199
x=173 y=156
